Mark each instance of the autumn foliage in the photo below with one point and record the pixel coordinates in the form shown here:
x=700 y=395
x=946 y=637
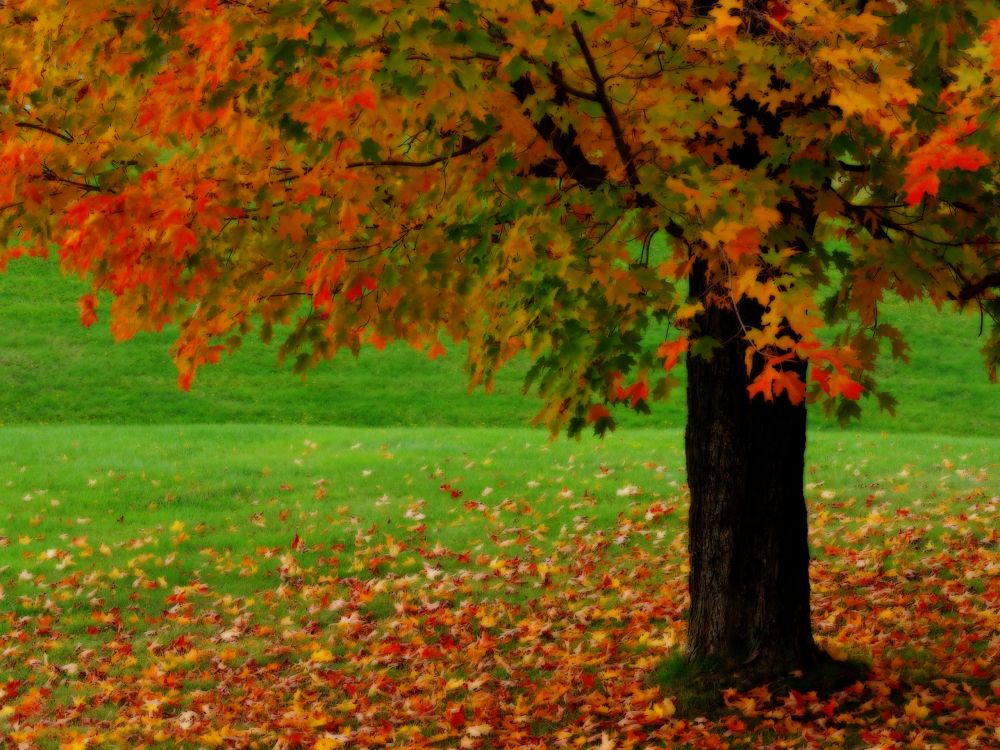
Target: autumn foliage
x=603 y=187
x=368 y=172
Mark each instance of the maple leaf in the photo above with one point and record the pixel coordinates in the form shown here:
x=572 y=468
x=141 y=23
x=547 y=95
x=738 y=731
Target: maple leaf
x=183 y=238
x=763 y=384
x=670 y=352
x=846 y=386
x=292 y=225
x=455 y=715
x=778 y=10
x=364 y=99
x=746 y=241
x=348 y=217
x=916 y=710
x=638 y=391
x=88 y=309
x=597 y=412
x=791 y=384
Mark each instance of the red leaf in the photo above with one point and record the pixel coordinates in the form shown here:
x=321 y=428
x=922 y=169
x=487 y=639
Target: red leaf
x=597 y=412
x=436 y=350
x=970 y=159
x=791 y=384
x=778 y=11
x=848 y=387
x=455 y=715
x=88 y=307
x=183 y=239
x=364 y=99
x=638 y=391
x=369 y=283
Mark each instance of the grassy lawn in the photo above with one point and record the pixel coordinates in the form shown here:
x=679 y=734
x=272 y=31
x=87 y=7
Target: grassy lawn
x=225 y=568
x=217 y=585
x=54 y=371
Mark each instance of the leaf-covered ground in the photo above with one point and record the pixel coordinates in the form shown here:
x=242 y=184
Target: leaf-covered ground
x=321 y=587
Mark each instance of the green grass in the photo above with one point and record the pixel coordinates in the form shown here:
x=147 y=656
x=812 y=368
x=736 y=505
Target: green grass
x=54 y=371
x=241 y=487
x=101 y=521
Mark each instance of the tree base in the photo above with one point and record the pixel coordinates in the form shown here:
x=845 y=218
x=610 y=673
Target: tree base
x=697 y=687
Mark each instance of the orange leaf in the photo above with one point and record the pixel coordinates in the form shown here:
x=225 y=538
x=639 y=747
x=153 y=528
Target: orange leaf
x=791 y=384
x=670 y=352
x=348 y=217
x=763 y=384
x=292 y=225
x=747 y=241
x=846 y=386
x=88 y=307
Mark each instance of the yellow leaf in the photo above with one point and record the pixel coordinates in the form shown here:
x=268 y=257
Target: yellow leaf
x=662 y=710
x=914 y=709
x=321 y=656
x=854 y=99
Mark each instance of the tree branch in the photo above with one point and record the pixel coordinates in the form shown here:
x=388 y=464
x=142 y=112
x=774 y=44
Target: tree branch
x=32 y=126
x=852 y=167
x=557 y=78
x=468 y=146
x=884 y=222
x=49 y=176
x=989 y=281
x=617 y=134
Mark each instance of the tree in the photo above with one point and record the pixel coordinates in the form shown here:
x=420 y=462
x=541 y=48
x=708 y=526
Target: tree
x=606 y=187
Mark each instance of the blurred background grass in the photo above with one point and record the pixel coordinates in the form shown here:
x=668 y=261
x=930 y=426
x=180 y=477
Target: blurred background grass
x=54 y=371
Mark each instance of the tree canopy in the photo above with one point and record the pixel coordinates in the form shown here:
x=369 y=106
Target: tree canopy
x=525 y=176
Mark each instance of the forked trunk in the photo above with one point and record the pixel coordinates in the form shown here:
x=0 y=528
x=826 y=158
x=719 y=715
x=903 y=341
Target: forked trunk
x=749 y=555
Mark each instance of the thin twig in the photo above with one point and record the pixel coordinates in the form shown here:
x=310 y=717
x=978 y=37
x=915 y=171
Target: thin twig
x=62 y=136
x=469 y=147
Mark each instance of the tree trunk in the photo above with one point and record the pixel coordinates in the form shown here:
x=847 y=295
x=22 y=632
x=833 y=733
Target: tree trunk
x=748 y=545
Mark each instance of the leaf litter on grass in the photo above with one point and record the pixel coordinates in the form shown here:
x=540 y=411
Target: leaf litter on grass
x=532 y=614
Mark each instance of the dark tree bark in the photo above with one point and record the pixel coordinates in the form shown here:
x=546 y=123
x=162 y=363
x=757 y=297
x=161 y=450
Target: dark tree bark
x=749 y=555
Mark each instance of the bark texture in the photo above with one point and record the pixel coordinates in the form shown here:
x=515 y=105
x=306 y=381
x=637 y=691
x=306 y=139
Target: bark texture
x=748 y=545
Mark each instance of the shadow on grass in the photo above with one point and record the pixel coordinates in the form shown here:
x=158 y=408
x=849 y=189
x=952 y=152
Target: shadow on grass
x=698 y=688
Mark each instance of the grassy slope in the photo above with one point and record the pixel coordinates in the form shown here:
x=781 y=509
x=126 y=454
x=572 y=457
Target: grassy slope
x=51 y=371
